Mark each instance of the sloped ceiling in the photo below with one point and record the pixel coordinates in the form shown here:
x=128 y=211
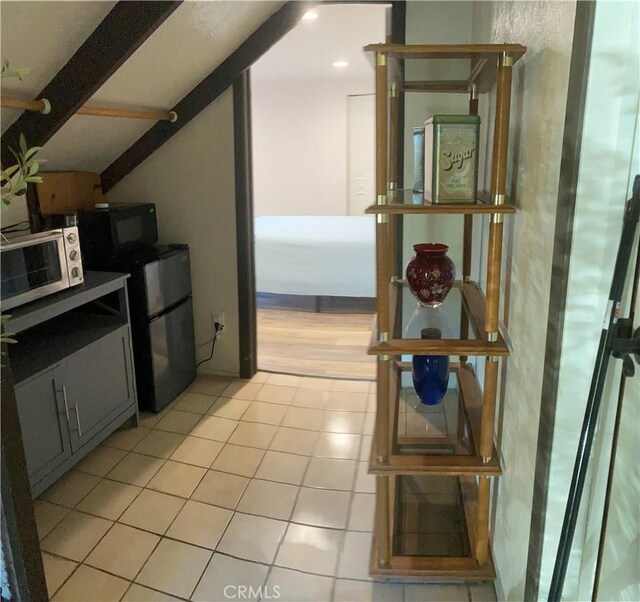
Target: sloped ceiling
x=308 y=51
x=42 y=36
x=184 y=49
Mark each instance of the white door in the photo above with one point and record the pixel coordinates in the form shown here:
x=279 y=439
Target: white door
x=361 y=153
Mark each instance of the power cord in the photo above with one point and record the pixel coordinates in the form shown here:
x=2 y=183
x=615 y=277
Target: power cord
x=11 y=228
x=218 y=328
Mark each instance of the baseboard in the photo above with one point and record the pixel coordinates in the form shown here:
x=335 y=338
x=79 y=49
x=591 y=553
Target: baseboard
x=316 y=303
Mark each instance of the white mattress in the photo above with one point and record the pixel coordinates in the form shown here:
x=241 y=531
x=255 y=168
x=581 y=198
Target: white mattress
x=316 y=255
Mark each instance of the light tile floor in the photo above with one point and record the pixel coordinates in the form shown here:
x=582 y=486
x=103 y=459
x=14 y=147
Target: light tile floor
x=257 y=484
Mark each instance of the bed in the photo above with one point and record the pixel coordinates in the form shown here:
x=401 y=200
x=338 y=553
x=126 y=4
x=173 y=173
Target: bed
x=315 y=257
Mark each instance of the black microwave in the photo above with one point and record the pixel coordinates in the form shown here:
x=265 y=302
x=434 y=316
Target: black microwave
x=113 y=229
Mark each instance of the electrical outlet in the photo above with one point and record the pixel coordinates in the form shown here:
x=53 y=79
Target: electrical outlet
x=217 y=318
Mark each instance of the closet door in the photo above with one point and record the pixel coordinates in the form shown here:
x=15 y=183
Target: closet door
x=361 y=153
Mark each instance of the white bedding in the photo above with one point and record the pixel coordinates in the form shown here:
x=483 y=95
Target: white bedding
x=316 y=255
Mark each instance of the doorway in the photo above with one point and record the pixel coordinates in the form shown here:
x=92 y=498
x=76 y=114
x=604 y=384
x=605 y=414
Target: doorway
x=312 y=139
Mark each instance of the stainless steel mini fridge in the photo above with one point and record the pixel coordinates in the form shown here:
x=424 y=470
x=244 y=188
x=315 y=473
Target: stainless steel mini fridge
x=162 y=319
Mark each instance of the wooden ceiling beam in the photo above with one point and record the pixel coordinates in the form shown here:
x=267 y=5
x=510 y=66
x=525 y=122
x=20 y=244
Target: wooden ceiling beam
x=117 y=37
x=212 y=86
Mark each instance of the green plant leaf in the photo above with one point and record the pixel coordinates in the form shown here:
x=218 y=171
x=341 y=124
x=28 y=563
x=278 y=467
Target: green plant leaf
x=17 y=157
x=10 y=171
x=23 y=144
x=32 y=151
x=20 y=188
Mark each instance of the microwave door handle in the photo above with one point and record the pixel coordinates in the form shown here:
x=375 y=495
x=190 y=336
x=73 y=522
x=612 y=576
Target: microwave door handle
x=64 y=268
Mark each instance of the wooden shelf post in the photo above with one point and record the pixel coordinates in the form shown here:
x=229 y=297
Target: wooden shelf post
x=383 y=405
x=488 y=408
x=498 y=191
x=482 y=531
x=468 y=234
x=468 y=219
x=382 y=221
x=383 y=526
x=392 y=182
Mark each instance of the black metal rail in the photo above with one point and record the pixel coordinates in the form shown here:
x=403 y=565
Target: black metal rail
x=605 y=351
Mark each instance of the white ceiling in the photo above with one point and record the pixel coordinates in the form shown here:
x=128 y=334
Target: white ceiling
x=192 y=42
x=339 y=33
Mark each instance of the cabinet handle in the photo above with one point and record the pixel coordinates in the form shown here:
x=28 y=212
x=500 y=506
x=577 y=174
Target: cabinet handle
x=77 y=411
x=66 y=403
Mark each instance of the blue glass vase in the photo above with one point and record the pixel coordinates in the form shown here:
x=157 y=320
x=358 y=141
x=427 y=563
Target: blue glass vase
x=430 y=372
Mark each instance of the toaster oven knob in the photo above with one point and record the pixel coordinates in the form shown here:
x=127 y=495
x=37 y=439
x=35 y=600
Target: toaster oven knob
x=73 y=255
x=72 y=237
x=75 y=272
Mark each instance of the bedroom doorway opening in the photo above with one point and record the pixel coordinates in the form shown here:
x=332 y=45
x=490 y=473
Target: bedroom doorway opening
x=313 y=157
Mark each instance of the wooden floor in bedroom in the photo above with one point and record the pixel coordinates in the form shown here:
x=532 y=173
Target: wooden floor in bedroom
x=315 y=344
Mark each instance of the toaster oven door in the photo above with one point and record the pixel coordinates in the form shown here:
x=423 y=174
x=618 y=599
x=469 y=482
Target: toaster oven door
x=32 y=267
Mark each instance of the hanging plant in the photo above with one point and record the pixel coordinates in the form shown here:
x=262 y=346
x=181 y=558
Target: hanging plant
x=15 y=178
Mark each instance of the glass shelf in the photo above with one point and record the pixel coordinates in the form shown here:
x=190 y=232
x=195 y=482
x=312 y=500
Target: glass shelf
x=480 y=58
x=430 y=518
x=432 y=430
x=447 y=318
x=434 y=530
x=440 y=440
x=447 y=51
x=406 y=201
x=460 y=319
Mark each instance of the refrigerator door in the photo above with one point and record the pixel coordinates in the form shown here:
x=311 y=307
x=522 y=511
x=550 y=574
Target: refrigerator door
x=167 y=280
x=173 y=353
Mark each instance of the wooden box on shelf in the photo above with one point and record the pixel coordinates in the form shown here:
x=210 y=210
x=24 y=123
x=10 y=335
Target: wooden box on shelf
x=433 y=467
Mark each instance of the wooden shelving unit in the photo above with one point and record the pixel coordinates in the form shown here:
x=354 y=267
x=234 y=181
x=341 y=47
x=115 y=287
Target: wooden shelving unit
x=433 y=487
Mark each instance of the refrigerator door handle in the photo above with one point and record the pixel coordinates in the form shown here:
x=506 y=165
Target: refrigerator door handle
x=168 y=310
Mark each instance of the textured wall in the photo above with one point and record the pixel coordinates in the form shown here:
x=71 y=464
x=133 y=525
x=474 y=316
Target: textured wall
x=537 y=118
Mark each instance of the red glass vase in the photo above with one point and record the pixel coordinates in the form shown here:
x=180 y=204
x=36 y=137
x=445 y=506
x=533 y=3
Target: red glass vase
x=430 y=274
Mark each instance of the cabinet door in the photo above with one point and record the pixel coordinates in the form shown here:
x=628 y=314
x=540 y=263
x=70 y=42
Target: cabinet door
x=43 y=422
x=98 y=385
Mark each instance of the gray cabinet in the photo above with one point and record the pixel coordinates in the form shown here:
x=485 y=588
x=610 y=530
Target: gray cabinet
x=73 y=369
x=44 y=423
x=98 y=385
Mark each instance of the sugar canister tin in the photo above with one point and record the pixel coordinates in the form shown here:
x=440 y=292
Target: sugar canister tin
x=451 y=158
x=418 y=159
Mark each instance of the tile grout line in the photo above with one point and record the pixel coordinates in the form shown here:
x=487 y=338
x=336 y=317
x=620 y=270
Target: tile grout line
x=113 y=522
x=117 y=522
x=286 y=530
x=233 y=514
x=288 y=522
x=161 y=538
